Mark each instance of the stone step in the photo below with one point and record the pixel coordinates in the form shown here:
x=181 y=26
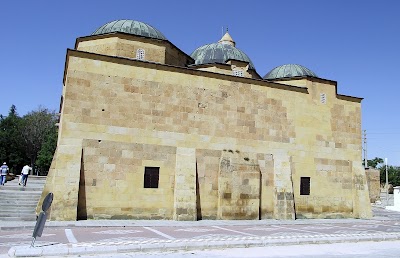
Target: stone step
x=37 y=188
x=33 y=181
x=16 y=214
x=30 y=179
x=21 y=200
x=20 y=196
x=24 y=201
x=21 y=218
x=17 y=209
x=19 y=203
x=16 y=185
x=30 y=204
x=21 y=189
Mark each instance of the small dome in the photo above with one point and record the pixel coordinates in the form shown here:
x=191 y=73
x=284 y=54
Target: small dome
x=130 y=27
x=288 y=71
x=220 y=52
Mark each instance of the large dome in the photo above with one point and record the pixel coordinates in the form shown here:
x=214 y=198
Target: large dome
x=130 y=27
x=288 y=71
x=220 y=52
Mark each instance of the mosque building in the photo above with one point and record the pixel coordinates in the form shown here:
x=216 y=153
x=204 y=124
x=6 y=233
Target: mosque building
x=147 y=131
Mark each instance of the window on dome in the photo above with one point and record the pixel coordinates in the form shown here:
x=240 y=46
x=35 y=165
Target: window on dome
x=238 y=73
x=140 y=54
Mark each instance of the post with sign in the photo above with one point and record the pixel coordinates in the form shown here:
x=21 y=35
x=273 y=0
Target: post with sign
x=42 y=218
x=387 y=183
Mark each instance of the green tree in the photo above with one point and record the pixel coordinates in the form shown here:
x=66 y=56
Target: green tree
x=35 y=128
x=11 y=143
x=375 y=163
x=393 y=175
x=45 y=155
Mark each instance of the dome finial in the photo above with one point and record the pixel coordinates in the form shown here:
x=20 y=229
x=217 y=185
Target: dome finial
x=227 y=39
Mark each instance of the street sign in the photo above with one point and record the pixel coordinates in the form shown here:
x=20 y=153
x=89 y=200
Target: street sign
x=47 y=202
x=38 y=230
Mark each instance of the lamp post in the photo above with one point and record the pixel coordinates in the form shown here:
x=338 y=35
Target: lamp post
x=387 y=184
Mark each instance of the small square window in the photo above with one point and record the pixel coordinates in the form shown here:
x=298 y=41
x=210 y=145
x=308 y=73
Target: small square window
x=151 y=177
x=140 y=54
x=238 y=73
x=304 y=186
x=323 y=98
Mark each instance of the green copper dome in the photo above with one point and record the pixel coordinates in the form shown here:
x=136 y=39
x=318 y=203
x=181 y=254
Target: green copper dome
x=288 y=71
x=220 y=52
x=130 y=27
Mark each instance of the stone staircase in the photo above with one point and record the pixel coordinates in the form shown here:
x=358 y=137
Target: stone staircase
x=18 y=203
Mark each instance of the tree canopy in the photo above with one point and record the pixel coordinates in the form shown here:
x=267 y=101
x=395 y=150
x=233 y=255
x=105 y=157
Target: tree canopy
x=30 y=139
x=375 y=163
x=393 y=171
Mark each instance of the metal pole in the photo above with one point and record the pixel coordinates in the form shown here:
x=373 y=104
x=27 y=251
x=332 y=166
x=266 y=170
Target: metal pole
x=365 y=149
x=387 y=184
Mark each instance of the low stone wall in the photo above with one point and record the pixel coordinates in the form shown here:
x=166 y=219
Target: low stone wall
x=373 y=179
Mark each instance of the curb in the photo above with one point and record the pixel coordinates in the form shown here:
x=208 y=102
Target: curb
x=194 y=244
x=10 y=225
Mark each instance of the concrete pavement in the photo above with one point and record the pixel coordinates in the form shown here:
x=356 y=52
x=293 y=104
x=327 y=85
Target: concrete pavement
x=383 y=227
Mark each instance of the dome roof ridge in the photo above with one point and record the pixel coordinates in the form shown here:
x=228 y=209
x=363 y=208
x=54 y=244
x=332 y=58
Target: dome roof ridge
x=130 y=27
x=289 y=71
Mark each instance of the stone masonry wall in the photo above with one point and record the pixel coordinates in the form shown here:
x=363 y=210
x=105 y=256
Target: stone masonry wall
x=112 y=179
x=132 y=102
x=116 y=46
x=374 y=185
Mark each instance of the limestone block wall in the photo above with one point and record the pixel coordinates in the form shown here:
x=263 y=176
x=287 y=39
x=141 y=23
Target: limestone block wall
x=207 y=165
x=360 y=193
x=268 y=186
x=104 y=46
x=174 y=56
x=63 y=181
x=238 y=187
x=132 y=102
x=230 y=186
x=185 y=185
x=329 y=153
x=112 y=181
x=374 y=185
x=283 y=194
x=221 y=69
x=119 y=45
x=321 y=203
x=229 y=113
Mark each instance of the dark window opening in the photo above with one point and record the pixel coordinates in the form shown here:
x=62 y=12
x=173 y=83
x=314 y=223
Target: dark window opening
x=151 y=177
x=304 y=186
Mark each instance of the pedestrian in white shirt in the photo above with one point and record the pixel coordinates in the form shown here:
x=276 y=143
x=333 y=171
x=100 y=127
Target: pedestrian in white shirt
x=3 y=173
x=25 y=173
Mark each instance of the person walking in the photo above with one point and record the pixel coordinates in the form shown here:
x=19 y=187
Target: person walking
x=25 y=173
x=3 y=171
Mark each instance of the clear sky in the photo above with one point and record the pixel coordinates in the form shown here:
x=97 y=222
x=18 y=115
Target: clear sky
x=356 y=43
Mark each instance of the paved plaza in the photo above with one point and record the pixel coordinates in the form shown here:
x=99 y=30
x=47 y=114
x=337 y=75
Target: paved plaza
x=111 y=236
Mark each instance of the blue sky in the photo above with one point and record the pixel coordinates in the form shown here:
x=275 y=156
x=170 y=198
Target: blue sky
x=355 y=43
